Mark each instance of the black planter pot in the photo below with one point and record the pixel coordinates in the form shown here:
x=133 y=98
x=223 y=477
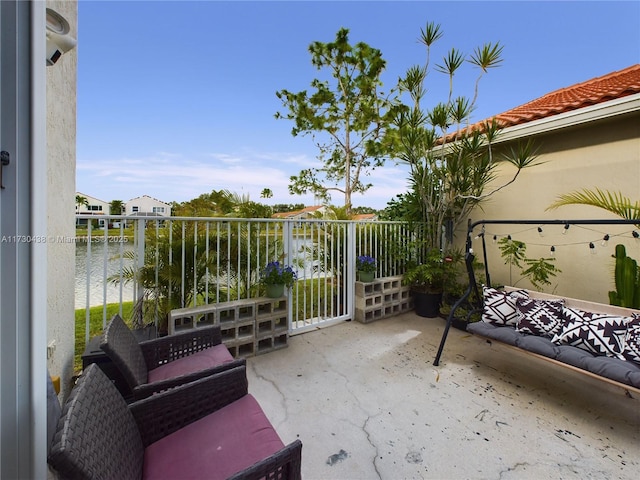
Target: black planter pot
x=427 y=304
x=459 y=323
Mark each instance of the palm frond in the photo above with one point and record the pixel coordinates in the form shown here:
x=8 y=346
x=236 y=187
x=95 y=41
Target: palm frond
x=613 y=202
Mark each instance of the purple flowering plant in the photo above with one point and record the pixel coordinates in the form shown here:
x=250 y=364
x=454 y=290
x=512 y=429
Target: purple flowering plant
x=276 y=274
x=365 y=263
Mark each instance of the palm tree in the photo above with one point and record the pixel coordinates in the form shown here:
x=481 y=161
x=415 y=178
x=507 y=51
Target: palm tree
x=116 y=207
x=80 y=200
x=615 y=203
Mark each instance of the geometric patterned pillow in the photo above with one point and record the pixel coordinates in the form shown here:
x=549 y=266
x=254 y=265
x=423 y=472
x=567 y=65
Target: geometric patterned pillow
x=598 y=333
x=632 y=340
x=539 y=317
x=499 y=307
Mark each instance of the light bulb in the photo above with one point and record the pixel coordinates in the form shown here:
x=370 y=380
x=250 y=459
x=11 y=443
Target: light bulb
x=495 y=237
x=635 y=234
x=540 y=231
x=592 y=247
x=553 y=251
x=566 y=227
x=605 y=240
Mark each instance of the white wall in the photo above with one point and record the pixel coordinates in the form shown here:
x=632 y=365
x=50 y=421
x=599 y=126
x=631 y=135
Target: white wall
x=61 y=157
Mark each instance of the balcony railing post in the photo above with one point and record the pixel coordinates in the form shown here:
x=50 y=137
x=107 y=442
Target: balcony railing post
x=350 y=267
x=138 y=288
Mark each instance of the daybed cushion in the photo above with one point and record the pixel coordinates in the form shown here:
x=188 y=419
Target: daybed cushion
x=499 y=307
x=539 y=317
x=615 y=369
x=500 y=333
x=207 y=358
x=540 y=345
x=216 y=446
x=598 y=333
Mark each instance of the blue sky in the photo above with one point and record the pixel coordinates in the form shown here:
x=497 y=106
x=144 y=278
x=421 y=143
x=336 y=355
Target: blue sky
x=176 y=99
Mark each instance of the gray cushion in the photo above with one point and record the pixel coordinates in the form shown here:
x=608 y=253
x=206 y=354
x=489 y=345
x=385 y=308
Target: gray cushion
x=541 y=345
x=613 y=368
x=573 y=356
x=503 y=334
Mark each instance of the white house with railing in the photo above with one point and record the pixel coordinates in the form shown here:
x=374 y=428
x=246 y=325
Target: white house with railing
x=146 y=205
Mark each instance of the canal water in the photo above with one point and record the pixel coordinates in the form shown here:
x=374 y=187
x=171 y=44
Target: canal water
x=106 y=261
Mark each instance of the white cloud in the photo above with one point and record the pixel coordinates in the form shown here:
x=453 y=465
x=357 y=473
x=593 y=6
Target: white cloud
x=176 y=177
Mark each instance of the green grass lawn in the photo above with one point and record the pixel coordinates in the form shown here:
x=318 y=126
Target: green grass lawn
x=95 y=326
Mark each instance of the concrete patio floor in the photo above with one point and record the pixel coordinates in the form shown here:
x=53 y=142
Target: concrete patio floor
x=367 y=403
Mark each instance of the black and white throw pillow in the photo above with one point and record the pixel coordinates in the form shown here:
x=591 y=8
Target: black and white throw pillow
x=539 y=317
x=632 y=340
x=500 y=307
x=598 y=333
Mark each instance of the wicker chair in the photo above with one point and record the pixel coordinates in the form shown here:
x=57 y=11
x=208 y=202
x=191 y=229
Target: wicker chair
x=99 y=436
x=162 y=363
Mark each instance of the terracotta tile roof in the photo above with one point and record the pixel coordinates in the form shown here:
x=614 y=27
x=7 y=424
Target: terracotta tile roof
x=364 y=216
x=597 y=90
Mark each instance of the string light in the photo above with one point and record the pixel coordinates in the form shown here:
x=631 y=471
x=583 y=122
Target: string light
x=508 y=237
x=605 y=240
x=566 y=227
x=553 y=251
x=495 y=237
x=592 y=247
x=635 y=234
x=540 y=231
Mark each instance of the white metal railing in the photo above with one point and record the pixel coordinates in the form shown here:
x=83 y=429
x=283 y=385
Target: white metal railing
x=162 y=263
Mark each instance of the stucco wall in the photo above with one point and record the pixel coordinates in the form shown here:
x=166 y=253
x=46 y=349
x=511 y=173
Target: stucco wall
x=61 y=159
x=604 y=154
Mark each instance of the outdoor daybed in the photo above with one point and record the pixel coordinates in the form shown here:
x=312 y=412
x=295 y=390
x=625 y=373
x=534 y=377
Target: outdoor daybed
x=208 y=429
x=599 y=340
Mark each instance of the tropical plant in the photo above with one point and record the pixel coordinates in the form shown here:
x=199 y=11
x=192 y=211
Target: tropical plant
x=276 y=274
x=627 y=281
x=451 y=163
x=82 y=200
x=347 y=117
x=538 y=271
x=429 y=276
x=116 y=207
x=365 y=263
x=626 y=270
x=181 y=268
x=615 y=203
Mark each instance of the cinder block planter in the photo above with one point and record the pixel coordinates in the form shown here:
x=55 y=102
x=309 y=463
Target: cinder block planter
x=248 y=327
x=382 y=298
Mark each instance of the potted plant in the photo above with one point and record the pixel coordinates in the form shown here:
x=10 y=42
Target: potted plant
x=427 y=283
x=276 y=277
x=366 y=268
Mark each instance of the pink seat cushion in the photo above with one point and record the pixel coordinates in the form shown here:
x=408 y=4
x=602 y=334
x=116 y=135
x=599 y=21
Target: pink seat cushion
x=216 y=446
x=202 y=360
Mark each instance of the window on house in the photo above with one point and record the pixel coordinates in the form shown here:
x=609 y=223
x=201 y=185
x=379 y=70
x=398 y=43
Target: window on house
x=158 y=209
x=134 y=209
x=95 y=208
